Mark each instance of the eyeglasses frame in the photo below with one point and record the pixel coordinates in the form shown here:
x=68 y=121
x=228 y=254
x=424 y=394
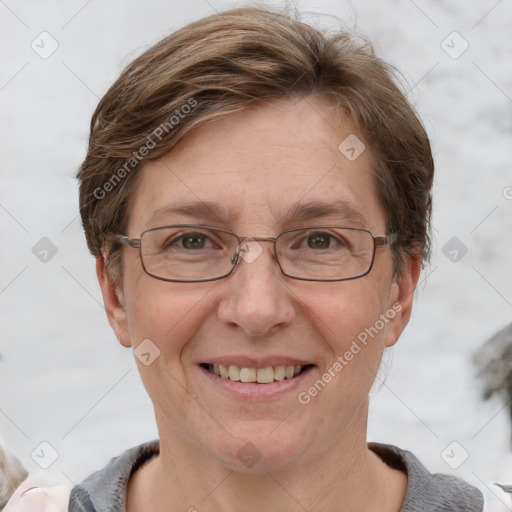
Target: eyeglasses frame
x=136 y=243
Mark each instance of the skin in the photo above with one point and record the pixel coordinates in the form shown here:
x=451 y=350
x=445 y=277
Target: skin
x=258 y=163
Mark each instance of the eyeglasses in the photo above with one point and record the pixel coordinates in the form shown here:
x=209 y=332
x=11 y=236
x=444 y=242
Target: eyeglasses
x=192 y=253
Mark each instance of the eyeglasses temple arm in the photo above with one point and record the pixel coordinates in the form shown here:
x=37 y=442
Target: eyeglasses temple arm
x=130 y=242
x=386 y=240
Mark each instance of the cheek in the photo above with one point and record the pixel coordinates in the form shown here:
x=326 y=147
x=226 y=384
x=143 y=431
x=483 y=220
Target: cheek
x=345 y=313
x=168 y=314
x=353 y=324
x=162 y=320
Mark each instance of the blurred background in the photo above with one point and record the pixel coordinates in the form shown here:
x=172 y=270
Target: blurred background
x=70 y=395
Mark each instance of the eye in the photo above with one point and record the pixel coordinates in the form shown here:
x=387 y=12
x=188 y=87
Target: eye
x=193 y=241
x=324 y=240
x=319 y=241
x=190 y=241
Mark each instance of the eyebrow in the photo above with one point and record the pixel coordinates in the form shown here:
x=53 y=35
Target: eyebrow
x=339 y=210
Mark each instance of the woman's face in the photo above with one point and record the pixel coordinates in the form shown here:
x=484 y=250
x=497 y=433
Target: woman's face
x=254 y=167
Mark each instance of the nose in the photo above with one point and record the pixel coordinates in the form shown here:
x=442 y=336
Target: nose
x=257 y=299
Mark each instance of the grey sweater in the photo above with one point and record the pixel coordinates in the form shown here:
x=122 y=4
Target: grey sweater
x=105 y=490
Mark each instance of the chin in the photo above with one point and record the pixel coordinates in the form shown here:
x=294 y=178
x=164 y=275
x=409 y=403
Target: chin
x=259 y=450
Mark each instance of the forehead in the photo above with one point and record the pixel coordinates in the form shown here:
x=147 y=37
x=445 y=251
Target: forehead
x=263 y=169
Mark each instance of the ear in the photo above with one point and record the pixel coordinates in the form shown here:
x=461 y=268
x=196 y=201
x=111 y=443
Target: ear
x=401 y=299
x=113 y=300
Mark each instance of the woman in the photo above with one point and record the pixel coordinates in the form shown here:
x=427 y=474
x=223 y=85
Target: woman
x=257 y=196
x=12 y=473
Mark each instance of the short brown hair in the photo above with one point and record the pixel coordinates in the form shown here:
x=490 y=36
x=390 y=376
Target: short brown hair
x=232 y=61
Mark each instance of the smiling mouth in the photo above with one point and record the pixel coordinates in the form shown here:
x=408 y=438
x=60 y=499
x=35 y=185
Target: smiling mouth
x=258 y=375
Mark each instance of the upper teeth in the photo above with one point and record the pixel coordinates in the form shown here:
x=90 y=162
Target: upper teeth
x=260 y=375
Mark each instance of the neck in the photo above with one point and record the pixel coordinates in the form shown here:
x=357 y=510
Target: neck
x=346 y=476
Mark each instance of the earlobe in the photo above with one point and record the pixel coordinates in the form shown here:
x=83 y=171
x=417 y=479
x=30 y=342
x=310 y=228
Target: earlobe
x=113 y=301
x=401 y=299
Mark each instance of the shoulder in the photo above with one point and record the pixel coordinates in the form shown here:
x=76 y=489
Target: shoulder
x=101 y=491
x=12 y=473
x=497 y=497
x=21 y=492
x=428 y=491
x=37 y=495
x=106 y=489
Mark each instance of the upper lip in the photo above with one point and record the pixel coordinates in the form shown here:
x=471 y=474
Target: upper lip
x=252 y=362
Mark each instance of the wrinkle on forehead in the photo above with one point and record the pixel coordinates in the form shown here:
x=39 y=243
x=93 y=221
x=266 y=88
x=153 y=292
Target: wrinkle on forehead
x=262 y=170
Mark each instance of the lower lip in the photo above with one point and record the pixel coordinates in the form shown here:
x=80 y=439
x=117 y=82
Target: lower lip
x=253 y=390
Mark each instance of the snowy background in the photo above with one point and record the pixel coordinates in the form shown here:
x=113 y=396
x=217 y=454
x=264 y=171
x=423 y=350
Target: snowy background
x=64 y=378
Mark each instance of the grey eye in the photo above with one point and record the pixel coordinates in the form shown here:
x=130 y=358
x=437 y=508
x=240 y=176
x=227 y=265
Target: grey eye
x=324 y=240
x=193 y=241
x=319 y=241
